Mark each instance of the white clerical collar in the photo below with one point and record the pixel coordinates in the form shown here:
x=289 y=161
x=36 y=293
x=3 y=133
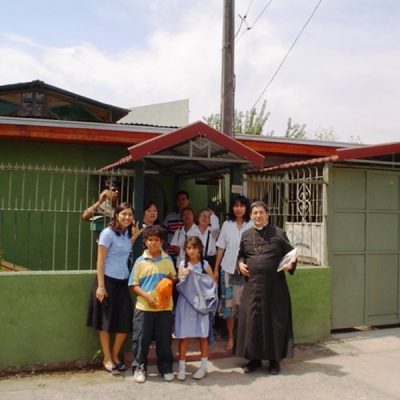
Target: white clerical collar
x=259 y=228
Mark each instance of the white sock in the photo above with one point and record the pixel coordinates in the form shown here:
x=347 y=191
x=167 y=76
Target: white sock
x=182 y=365
x=203 y=364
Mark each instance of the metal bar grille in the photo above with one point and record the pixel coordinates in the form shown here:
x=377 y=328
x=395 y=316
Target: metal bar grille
x=296 y=203
x=40 y=215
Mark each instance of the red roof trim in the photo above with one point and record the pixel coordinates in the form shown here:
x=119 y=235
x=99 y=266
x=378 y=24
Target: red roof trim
x=368 y=151
x=188 y=132
x=116 y=164
x=294 y=164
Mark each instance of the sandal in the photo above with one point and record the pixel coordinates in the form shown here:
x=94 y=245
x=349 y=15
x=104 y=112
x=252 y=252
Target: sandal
x=110 y=367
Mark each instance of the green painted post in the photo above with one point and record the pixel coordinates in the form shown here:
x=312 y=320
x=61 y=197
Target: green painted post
x=236 y=178
x=138 y=200
x=138 y=190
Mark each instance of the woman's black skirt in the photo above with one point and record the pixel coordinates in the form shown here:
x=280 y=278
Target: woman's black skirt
x=114 y=314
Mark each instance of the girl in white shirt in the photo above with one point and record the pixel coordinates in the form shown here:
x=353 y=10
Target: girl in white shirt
x=189 y=228
x=227 y=252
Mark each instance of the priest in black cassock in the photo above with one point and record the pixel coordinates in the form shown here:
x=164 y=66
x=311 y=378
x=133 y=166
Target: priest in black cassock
x=265 y=330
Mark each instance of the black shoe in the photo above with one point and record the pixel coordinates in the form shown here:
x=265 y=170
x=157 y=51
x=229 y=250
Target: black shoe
x=251 y=366
x=274 y=367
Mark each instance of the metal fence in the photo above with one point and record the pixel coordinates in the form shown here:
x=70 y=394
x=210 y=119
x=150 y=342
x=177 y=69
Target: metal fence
x=297 y=202
x=40 y=215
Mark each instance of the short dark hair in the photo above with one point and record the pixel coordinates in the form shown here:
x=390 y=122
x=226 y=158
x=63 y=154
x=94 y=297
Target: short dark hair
x=111 y=183
x=182 y=192
x=244 y=201
x=154 y=230
x=192 y=211
x=149 y=204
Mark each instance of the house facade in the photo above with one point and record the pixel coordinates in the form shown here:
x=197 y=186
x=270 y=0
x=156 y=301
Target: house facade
x=339 y=203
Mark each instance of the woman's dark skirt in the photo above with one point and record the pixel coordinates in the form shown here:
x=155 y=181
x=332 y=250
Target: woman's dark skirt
x=114 y=314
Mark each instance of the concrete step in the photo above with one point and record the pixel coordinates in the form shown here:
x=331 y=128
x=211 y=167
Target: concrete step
x=217 y=350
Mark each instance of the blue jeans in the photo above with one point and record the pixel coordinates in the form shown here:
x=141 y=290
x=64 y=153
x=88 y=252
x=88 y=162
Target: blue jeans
x=146 y=326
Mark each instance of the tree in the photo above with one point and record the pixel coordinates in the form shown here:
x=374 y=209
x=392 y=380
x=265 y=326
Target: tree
x=355 y=139
x=214 y=120
x=295 y=131
x=325 y=134
x=250 y=123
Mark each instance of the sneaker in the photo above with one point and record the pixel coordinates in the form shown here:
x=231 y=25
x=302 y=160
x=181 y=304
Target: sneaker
x=139 y=374
x=169 y=377
x=199 y=374
x=181 y=375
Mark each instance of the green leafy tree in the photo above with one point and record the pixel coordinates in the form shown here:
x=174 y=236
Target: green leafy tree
x=214 y=120
x=325 y=134
x=355 y=139
x=295 y=131
x=249 y=123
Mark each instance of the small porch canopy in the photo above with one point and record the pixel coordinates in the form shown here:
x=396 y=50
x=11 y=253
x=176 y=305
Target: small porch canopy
x=196 y=149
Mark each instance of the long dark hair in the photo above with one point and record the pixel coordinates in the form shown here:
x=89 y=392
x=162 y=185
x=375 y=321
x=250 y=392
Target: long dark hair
x=114 y=225
x=244 y=201
x=198 y=244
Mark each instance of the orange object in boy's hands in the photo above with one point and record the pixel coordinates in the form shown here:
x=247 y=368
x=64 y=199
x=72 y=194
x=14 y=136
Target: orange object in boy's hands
x=163 y=293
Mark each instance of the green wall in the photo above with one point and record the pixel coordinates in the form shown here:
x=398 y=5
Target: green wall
x=310 y=290
x=60 y=154
x=43 y=314
x=43 y=318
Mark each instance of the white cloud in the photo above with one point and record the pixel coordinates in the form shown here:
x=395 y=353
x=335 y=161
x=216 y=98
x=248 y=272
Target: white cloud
x=338 y=75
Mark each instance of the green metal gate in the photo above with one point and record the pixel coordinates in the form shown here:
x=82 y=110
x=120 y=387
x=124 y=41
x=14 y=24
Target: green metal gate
x=364 y=246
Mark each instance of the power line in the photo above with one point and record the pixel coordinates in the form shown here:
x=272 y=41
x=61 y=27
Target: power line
x=287 y=54
x=243 y=19
x=255 y=21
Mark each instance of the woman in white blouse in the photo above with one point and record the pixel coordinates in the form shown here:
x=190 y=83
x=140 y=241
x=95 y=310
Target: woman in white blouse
x=227 y=251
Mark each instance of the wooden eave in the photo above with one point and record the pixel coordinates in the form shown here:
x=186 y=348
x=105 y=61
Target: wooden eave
x=268 y=148
x=75 y=135
x=369 y=151
x=129 y=135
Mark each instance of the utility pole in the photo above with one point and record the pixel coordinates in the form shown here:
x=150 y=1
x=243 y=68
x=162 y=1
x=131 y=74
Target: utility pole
x=228 y=86
x=228 y=74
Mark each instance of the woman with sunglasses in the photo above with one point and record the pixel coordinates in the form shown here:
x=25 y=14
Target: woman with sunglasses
x=106 y=204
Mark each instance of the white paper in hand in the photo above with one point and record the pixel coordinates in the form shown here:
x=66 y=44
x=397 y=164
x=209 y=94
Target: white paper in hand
x=288 y=258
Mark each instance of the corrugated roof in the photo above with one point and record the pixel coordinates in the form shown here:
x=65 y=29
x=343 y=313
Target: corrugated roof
x=303 y=163
x=348 y=154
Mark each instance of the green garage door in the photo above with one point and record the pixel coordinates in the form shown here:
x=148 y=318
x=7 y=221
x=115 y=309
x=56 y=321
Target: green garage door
x=364 y=247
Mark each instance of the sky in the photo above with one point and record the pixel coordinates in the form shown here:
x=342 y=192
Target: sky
x=342 y=75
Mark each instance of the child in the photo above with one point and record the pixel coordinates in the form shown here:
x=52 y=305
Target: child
x=192 y=310
x=151 y=317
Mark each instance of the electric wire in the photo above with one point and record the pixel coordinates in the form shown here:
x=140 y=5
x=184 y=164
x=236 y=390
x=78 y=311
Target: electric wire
x=255 y=21
x=243 y=19
x=287 y=54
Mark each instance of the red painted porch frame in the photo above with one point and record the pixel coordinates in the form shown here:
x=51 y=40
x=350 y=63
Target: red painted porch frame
x=188 y=132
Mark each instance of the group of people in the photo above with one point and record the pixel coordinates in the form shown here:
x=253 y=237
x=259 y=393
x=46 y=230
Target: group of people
x=231 y=270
